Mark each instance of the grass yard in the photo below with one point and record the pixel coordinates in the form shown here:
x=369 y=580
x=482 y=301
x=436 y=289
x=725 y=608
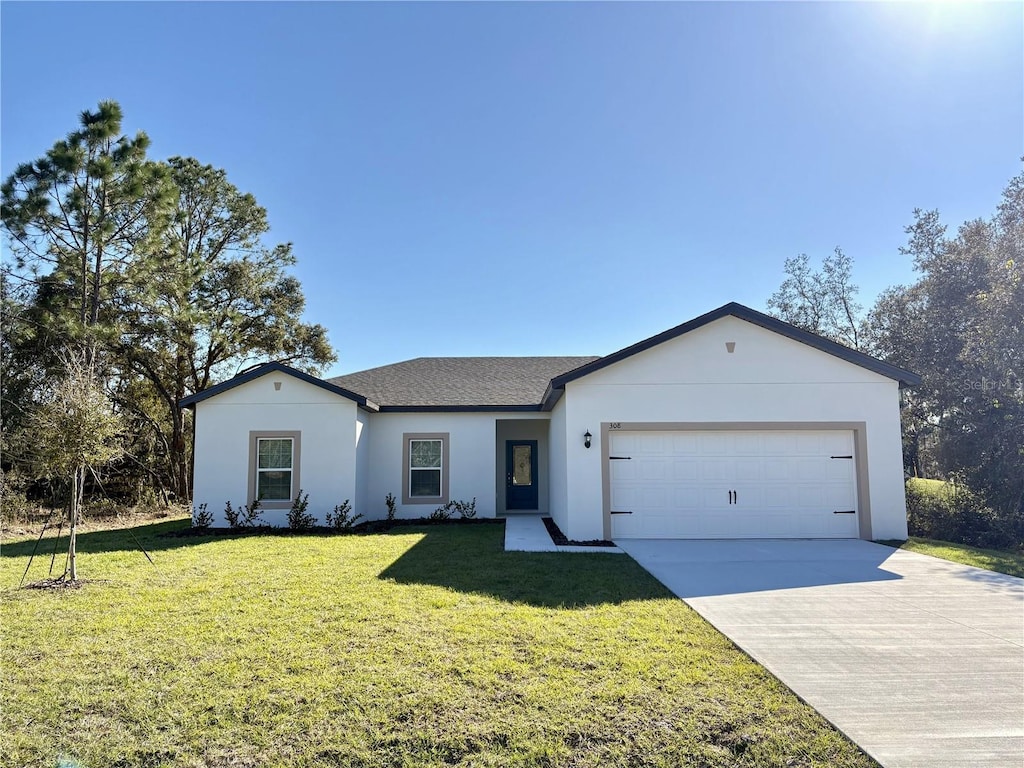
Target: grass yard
x=420 y=647
x=927 y=486
x=997 y=560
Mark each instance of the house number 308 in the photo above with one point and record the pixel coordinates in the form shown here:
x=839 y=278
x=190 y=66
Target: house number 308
x=615 y=425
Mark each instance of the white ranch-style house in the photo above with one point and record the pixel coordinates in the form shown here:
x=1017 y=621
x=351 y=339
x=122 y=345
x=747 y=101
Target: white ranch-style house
x=732 y=425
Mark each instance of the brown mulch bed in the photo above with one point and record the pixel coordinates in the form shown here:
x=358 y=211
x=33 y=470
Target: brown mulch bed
x=559 y=538
x=369 y=526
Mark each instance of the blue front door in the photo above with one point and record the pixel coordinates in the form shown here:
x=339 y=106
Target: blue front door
x=520 y=474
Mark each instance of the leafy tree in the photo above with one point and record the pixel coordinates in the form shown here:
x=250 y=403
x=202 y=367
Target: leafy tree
x=156 y=271
x=961 y=326
x=72 y=431
x=219 y=300
x=79 y=221
x=822 y=302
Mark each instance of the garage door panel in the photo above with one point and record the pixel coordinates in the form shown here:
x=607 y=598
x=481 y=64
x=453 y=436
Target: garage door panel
x=715 y=444
x=776 y=470
x=784 y=484
x=687 y=499
x=716 y=469
x=808 y=445
x=684 y=444
x=650 y=445
x=838 y=497
x=746 y=444
x=777 y=497
x=627 y=498
x=713 y=497
x=655 y=498
x=837 y=443
x=748 y=470
x=685 y=469
x=778 y=444
x=808 y=470
x=838 y=470
x=653 y=469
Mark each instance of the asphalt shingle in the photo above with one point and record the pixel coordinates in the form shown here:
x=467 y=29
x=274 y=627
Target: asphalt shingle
x=460 y=381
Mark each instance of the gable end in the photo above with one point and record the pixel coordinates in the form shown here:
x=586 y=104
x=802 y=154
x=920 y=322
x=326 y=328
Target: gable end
x=904 y=377
x=275 y=367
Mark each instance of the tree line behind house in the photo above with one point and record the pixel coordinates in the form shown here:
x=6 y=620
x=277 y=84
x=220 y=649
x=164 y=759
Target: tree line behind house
x=961 y=327
x=146 y=281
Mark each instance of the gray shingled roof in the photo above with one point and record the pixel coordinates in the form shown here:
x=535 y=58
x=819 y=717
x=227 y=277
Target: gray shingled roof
x=460 y=381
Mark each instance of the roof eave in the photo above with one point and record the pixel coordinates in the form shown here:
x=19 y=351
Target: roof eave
x=262 y=370
x=513 y=408
x=741 y=312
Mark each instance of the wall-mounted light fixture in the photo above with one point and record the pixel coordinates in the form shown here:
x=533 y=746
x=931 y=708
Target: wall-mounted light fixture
x=586 y=439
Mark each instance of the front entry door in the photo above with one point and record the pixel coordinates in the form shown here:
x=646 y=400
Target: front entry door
x=520 y=474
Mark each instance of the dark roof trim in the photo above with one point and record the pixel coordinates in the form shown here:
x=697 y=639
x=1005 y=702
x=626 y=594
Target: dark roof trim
x=458 y=408
x=263 y=370
x=904 y=377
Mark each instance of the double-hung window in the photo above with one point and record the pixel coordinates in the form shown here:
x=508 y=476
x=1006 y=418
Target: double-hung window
x=273 y=468
x=425 y=460
x=425 y=466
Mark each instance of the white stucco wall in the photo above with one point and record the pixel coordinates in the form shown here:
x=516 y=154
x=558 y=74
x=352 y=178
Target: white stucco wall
x=558 y=481
x=470 y=464
x=693 y=378
x=327 y=460
x=361 y=503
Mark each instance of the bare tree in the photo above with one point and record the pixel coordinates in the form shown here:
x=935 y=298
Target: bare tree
x=822 y=302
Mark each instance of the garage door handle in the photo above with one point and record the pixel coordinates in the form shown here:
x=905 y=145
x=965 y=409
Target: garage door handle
x=840 y=457
x=620 y=458
x=620 y=512
x=844 y=512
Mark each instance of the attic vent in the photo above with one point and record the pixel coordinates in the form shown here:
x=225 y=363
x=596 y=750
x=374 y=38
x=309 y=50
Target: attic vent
x=730 y=347
x=277 y=386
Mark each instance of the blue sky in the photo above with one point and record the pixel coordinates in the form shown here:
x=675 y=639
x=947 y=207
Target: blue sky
x=533 y=178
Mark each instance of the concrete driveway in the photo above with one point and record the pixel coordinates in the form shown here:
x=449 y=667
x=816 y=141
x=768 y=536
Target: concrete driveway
x=920 y=661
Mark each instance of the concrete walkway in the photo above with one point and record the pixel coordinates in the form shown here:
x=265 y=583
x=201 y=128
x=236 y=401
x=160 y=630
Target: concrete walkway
x=920 y=661
x=526 y=533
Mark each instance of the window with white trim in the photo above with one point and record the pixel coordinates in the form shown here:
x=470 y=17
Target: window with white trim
x=425 y=468
x=274 y=467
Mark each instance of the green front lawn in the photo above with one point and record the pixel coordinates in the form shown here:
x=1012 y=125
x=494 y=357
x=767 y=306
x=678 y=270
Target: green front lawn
x=989 y=559
x=421 y=647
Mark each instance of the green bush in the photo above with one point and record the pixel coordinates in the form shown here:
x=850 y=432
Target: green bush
x=466 y=510
x=202 y=517
x=342 y=519
x=243 y=517
x=390 y=503
x=14 y=504
x=441 y=513
x=954 y=512
x=299 y=518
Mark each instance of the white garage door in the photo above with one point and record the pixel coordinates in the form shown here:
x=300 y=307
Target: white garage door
x=724 y=484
